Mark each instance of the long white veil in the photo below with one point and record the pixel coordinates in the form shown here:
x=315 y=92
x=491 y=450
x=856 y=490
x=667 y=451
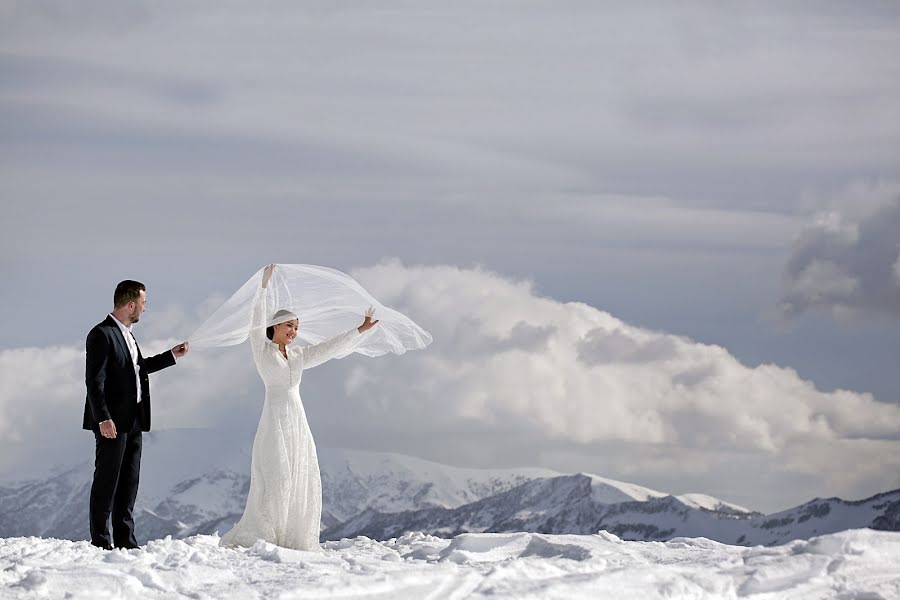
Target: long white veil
x=327 y=302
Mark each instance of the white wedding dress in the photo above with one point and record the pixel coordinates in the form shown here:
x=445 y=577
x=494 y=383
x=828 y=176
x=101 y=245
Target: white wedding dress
x=284 y=505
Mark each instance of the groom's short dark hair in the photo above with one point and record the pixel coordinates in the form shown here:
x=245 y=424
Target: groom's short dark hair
x=127 y=291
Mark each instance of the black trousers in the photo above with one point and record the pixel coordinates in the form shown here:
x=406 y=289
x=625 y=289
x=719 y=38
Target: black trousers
x=117 y=468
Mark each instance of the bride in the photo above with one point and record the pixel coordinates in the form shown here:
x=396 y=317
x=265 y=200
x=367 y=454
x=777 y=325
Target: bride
x=284 y=505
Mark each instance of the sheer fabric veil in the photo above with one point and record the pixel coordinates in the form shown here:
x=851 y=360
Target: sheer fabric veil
x=326 y=302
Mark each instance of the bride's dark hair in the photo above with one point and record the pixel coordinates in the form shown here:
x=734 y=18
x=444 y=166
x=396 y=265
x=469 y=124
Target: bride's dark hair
x=270 y=330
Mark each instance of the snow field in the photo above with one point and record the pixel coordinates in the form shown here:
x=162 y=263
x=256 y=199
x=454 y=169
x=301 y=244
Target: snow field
x=858 y=563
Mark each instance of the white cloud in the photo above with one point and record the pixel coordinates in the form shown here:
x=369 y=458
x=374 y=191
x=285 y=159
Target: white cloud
x=589 y=375
x=36 y=387
x=845 y=259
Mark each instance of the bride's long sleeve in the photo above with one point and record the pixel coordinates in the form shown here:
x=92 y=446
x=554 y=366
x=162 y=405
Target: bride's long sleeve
x=258 y=337
x=323 y=351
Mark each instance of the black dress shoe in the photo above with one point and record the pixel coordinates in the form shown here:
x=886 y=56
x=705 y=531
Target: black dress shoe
x=102 y=546
x=128 y=546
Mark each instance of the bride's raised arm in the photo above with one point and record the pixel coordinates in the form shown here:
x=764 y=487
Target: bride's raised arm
x=324 y=351
x=339 y=345
x=258 y=337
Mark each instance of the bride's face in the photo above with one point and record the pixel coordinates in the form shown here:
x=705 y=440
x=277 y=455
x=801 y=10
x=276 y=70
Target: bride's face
x=285 y=332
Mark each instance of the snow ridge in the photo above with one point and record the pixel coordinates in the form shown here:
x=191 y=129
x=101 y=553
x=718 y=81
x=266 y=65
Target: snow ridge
x=852 y=564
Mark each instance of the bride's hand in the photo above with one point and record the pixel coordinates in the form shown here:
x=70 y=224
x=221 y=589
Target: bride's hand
x=368 y=323
x=267 y=274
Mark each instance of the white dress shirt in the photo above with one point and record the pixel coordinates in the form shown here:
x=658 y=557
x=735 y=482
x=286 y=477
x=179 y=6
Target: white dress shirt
x=132 y=348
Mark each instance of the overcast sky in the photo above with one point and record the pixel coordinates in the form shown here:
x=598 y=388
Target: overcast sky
x=656 y=243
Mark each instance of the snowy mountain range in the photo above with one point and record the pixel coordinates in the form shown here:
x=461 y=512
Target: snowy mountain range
x=190 y=486
x=568 y=504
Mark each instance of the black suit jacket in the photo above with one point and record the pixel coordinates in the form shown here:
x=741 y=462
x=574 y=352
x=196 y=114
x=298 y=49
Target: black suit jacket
x=109 y=376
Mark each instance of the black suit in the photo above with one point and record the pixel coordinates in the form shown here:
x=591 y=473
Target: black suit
x=112 y=394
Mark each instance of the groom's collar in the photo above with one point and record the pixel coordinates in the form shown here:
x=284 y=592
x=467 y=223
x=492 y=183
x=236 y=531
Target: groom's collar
x=121 y=325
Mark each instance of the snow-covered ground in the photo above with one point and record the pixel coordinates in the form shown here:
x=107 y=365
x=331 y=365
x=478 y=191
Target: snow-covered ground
x=859 y=564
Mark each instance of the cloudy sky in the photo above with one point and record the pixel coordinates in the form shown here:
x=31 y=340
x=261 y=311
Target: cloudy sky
x=660 y=244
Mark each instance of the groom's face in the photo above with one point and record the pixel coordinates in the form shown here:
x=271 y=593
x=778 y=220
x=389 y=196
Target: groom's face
x=139 y=304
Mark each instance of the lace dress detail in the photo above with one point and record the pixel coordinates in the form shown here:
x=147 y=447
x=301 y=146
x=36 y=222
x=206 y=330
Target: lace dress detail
x=284 y=505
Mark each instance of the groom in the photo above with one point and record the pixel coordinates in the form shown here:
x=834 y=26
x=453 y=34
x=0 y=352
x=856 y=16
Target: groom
x=117 y=410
